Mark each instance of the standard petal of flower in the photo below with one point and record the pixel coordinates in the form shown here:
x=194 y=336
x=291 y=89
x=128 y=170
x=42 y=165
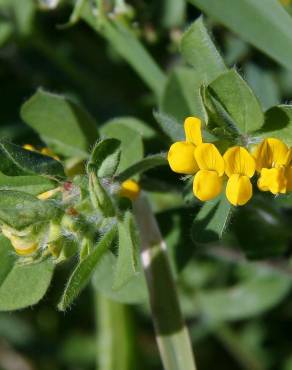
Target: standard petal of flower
x=273 y=180
x=192 y=126
x=209 y=158
x=239 y=161
x=181 y=158
x=270 y=153
x=238 y=190
x=207 y=185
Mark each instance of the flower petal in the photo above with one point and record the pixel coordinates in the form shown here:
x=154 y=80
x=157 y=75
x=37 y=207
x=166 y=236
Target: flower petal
x=207 y=185
x=181 y=158
x=273 y=180
x=238 y=189
x=271 y=153
x=239 y=161
x=209 y=158
x=288 y=174
x=192 y=126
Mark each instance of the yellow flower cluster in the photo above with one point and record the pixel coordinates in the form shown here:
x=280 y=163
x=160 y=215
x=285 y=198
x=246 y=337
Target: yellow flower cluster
x=271 y=160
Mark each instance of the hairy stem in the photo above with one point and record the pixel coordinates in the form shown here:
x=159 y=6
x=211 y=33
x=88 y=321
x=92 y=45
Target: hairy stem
x=171 y=334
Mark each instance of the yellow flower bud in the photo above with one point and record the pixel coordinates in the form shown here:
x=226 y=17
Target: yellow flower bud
x=29 y=147
x=48 y=194
x=130 y=189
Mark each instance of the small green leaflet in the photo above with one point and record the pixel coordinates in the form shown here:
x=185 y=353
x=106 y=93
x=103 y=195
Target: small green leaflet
x=84 y=270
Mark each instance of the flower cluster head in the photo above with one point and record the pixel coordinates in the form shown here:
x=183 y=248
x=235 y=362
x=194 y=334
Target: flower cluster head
x=271 y=161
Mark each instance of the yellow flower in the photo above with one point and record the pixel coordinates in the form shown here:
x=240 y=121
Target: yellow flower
x=208 y=181
x=181 y=157
x=239 y=167
x=130 y=189
x=272 y=156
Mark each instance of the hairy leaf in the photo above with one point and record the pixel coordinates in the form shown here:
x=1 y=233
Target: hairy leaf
x=62 y=124
x=84 y=270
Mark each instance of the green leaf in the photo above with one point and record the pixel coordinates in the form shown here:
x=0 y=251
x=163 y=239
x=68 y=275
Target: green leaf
x=181 y=96
x=143 y=129
x=212 y=220
x=65 y=127
x=145 y=164
x=200 y=52
x=126 y=266
x=25 y=286
x=131 y=142
x=219 y=122
x=278 y=124
x=84 y=270
x=99 y=196
x=29 y=184
x=173 y=13
x=262 y=23
x=170 y=126
x=238 y=100
x=259 y=293
x=15 y=160
x=20 y=210
x=22 y=15
x=105 y=157
x=7 y=258
x=134 y=291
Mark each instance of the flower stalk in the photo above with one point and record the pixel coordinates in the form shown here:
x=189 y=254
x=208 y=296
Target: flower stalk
x=171 y=333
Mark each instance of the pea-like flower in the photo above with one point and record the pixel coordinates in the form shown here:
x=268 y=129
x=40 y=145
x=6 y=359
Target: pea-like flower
x=181 y=154
x=209 y=179
x=272 y=160
x=239 y=167
x=272 y=157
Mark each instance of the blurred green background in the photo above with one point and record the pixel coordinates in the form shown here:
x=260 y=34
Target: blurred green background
x=252 y=330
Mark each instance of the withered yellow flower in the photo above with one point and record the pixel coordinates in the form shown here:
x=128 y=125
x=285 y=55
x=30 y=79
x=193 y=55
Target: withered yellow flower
x=21 y=245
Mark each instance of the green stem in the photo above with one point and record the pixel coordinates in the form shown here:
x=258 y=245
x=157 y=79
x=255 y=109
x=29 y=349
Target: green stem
x=171 y=334
x=129 y=48
x=115 y=335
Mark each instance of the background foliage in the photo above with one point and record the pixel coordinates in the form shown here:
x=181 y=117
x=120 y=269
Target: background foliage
x=238 y=312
